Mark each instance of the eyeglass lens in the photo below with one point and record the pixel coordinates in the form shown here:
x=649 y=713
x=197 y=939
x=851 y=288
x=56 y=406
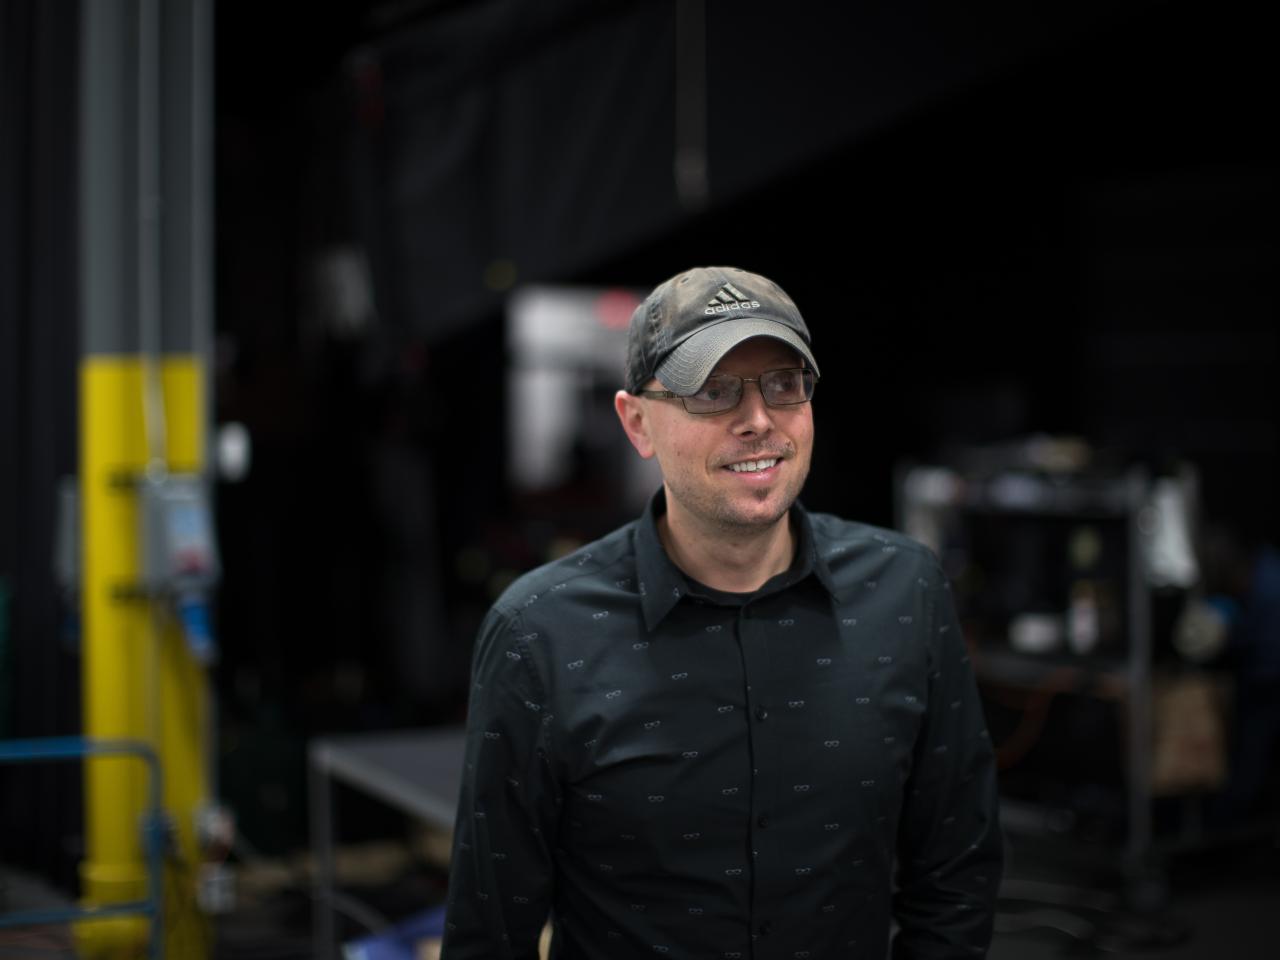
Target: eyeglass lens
x=723 y=391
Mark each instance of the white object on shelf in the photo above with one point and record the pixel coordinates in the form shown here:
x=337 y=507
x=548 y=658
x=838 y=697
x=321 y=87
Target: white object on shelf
x=1035 y=633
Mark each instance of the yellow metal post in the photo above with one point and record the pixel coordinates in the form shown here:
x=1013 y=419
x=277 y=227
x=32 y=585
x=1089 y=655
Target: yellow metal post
x=117 y=636
x=140 y=680
x=146 y=279
x=186 y=738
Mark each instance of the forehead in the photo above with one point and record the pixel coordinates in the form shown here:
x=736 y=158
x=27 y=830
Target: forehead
x=759 y=353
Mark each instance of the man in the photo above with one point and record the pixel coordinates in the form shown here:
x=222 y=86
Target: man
x=731 y=728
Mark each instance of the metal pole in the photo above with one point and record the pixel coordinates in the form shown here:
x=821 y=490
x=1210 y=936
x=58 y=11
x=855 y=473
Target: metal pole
x=115 y=629
x=149 y=234
x=320 y=795
x=1140 y=728
x=146 y=315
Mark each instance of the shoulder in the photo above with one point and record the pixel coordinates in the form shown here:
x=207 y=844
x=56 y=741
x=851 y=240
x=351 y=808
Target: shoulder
x=864 y=560
x=839 y=541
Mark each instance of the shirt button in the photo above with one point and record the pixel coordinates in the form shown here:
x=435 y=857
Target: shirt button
x=761 y=713
x=762 y=821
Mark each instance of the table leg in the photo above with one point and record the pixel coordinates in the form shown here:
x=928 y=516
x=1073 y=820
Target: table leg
x=320 y=800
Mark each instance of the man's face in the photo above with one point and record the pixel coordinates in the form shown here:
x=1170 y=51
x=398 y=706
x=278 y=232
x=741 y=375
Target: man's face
x=697 y=453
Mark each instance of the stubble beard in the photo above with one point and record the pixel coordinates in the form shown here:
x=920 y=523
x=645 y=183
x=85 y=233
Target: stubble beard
x=717 y=513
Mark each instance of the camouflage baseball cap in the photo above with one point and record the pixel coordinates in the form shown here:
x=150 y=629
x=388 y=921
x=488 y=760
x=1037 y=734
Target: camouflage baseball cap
x=683 y=328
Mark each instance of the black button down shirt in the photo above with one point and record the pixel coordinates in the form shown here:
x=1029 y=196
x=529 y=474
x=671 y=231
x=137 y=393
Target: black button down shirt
x=672 y=771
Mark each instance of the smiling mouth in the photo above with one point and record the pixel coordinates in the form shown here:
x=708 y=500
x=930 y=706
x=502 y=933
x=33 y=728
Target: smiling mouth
x=752 y=466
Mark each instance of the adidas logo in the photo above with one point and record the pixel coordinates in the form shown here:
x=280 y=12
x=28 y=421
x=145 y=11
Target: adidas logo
x=729 y=298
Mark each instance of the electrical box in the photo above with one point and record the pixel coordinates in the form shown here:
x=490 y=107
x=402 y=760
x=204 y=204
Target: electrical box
x=179 y=559
x=178 y=550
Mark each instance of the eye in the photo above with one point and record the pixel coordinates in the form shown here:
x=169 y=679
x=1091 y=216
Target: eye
x=716 y=388
x=784 y=385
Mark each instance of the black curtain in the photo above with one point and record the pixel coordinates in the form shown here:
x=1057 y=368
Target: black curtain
x=502 y=142
x=39 y=667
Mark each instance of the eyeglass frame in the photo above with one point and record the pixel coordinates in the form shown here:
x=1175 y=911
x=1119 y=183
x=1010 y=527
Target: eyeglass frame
x=742 y=392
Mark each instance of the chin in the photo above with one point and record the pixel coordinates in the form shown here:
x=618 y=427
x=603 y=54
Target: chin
x=763 y=514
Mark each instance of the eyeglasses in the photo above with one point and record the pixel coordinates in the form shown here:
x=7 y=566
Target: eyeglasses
x=723 y=391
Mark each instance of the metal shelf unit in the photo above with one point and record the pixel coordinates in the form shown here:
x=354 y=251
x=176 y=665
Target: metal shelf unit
x=929 y=499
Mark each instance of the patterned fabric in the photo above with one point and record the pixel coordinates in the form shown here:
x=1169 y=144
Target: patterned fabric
x=672 y=771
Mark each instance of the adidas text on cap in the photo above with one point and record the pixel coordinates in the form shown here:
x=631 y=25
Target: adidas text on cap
x=683 y=328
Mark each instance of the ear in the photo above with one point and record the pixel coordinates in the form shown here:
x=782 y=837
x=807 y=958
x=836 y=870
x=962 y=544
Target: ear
x=635 y=421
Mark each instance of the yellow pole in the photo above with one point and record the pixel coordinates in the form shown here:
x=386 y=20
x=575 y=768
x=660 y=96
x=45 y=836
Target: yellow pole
x=117 y=634
x=145 y=203
x=140 y=680
x=186 y=740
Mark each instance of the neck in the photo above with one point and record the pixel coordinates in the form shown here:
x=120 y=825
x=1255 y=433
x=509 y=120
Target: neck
x=734 y=559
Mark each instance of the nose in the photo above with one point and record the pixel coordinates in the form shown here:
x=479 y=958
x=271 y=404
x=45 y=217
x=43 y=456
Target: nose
x=752 y=415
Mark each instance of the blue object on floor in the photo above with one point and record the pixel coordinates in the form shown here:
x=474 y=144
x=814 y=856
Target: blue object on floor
x=399 y=942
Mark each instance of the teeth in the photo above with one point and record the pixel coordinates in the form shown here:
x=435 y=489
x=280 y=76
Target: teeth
x=751 y=466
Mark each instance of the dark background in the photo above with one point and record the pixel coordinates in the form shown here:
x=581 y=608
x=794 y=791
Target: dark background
x=998 y=219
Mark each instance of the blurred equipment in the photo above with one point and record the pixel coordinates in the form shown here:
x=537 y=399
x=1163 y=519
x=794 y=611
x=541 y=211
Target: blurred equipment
x=1232 y=620
x=1063 y=566
x=1171 y=555
x=567 y=350
x=179 y=558
x=235 y=452
x=1201 y=632
x=1190 y=740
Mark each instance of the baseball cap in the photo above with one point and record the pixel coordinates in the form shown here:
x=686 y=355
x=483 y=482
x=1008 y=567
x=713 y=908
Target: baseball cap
x=682 y=329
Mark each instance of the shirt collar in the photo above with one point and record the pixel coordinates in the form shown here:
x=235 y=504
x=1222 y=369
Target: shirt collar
x=814 y=562
x=662 y=583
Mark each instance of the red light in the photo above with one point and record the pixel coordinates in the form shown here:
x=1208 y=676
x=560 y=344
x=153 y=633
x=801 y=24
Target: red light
x=614 y=308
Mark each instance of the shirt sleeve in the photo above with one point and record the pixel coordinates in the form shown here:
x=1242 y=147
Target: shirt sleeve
x=950 y=849
x=500 y=876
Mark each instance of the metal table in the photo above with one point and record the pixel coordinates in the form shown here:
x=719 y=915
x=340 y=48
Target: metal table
x=416 y=771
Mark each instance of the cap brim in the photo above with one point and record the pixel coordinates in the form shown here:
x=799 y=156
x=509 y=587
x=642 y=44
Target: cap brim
x=687 y=367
